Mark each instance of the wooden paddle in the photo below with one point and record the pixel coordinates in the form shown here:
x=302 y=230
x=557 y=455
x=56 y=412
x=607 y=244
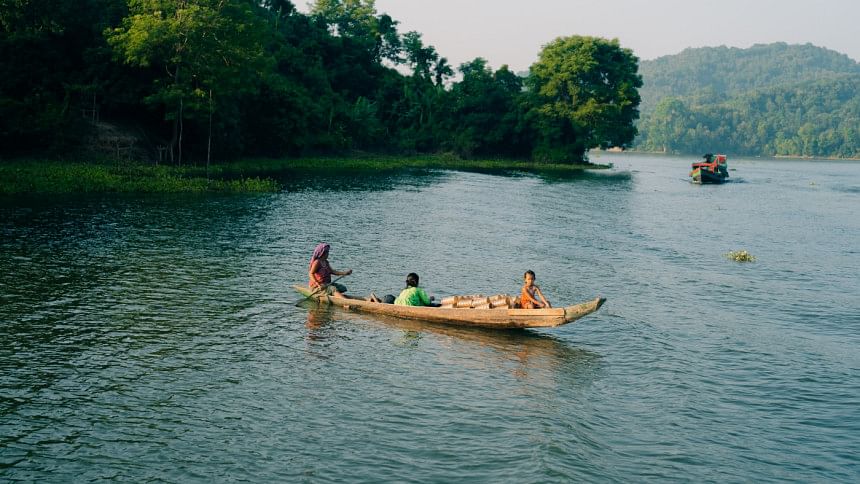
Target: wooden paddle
x=320 y=288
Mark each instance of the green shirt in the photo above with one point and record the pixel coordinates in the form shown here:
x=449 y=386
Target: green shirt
x=412 y=296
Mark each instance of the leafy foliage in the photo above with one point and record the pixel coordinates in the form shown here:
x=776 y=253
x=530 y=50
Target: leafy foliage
x=486 y=113
x=767 y=100
x=259 y=78
x=49 y=63
x=203 y=46
x=585 y=96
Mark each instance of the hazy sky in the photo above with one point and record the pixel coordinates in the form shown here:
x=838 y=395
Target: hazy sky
x=513 y=31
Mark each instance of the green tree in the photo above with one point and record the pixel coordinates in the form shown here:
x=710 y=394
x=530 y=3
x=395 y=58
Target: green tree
x=358 y=21
x=714 y=74
x=292 y=112
x=420 y=58
x=415 y=115
x=349 y=18
x=484 y=114
x=49 y=58
x=584 y=92
x=442 y=71
x=208 y=49
x=668 y=125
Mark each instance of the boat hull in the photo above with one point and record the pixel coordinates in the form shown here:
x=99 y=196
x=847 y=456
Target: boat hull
x=501 y=318
x=705 y=176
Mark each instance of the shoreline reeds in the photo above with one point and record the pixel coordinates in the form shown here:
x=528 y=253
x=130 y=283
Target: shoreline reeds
x=34 y=177
x=248 y=175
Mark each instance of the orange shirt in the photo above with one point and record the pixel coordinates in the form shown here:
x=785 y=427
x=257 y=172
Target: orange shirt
x=526 y=298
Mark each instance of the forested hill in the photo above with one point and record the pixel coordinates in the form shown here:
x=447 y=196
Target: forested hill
x=714 y=74
x=768 y=100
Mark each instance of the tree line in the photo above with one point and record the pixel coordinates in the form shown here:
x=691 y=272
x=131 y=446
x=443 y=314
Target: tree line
x=257 y=78
x=776 y=99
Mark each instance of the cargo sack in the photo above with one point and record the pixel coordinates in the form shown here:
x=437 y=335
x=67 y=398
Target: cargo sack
x=479 y=301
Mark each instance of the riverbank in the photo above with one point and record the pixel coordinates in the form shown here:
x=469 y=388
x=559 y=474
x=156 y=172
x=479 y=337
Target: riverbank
x=36 y=176
x=251 y=175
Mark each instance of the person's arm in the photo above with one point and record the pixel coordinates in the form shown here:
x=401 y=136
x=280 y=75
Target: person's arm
x=546 y=303
x=341 y=273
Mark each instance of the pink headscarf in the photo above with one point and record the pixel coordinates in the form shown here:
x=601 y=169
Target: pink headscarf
x=320 y=250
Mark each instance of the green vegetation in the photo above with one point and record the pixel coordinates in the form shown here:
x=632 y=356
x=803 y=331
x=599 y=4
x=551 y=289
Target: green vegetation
x=768 y=100
x=586 y=97
x=188 y=81
x=69 y=177
x=716 y=74
x=248 y=175
x=740 y=256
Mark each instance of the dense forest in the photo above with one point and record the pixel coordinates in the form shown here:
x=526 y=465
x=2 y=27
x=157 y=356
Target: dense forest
x=192 y=79
x=776 y=99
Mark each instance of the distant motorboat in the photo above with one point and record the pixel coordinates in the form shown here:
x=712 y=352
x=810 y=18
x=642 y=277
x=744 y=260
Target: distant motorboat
x=713 y=170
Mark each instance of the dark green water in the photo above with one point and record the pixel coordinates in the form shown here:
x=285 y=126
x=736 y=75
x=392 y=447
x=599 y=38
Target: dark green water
x=156 y=338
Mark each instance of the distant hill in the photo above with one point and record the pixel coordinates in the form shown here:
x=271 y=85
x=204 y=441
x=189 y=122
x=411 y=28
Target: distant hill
x=714 y=74
x=774 y=99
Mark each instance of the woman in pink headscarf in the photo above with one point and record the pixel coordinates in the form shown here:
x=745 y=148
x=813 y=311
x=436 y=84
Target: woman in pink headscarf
x=320 y=272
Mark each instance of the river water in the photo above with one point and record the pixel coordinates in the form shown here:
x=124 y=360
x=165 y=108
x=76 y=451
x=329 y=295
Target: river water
x=156 y=338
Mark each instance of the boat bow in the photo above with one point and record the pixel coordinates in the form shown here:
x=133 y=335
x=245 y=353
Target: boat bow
x=572 y=313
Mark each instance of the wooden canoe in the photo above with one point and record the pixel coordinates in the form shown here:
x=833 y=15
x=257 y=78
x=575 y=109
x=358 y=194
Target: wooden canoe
x=501 y=318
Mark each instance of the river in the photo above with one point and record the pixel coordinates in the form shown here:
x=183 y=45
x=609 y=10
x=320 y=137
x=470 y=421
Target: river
x=157 y=338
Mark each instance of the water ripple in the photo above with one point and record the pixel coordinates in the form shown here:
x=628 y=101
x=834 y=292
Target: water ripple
x=157 y=338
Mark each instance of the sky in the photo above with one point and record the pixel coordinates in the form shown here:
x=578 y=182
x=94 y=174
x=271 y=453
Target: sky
x=512 y=32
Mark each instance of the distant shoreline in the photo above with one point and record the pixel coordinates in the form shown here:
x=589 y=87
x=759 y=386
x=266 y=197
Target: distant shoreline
x=31 y=176
x=780 y=157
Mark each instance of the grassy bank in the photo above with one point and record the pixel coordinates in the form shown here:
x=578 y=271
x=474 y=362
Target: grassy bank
x=31 y=176
x=253 y=175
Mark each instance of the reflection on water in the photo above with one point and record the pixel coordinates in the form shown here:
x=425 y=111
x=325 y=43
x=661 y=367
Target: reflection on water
x=607 y=178
x=318 y=324
x=360 y=180
x=416 y=178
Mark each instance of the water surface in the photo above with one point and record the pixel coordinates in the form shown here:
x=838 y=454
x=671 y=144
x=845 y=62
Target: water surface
x=156 y=338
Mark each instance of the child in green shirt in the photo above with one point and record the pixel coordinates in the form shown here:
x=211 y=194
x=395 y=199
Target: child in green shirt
x=413 y=295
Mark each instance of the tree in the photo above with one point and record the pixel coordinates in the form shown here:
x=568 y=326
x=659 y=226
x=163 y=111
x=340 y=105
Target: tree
x=585 y=95
x=48 y=60
x=347 y=18
x=206 y=48
x=388 y=44
x=667 y=125
x=279 y=7
x=421 y=59
x=442 y=71
x=484 y=112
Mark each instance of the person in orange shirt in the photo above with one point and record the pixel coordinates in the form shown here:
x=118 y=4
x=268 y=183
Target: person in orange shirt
x=530 y=293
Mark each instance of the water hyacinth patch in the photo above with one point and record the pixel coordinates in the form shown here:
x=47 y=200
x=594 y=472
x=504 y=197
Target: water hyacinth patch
x=251 y=175
x=741 y=256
